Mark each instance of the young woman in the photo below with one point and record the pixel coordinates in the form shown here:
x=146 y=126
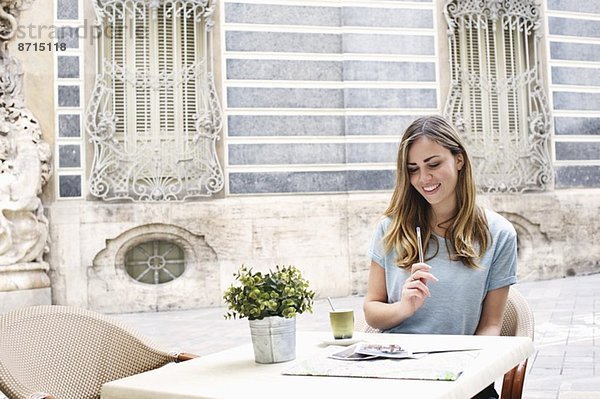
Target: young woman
x=470 y=253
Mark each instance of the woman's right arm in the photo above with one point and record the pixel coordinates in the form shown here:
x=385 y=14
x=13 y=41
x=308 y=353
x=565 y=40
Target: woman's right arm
x=383 y=315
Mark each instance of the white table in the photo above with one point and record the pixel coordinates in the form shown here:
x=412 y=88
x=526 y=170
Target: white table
x=234 y=374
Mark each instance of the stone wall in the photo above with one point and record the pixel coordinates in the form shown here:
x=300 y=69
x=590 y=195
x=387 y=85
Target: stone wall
x=310 y=232
x=326 y=236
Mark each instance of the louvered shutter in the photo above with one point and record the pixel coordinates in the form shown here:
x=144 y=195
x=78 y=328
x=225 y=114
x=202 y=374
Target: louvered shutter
x=154 y=116
x=496 y=99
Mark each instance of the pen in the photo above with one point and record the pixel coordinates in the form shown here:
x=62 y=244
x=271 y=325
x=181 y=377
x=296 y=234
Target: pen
x=420 y=245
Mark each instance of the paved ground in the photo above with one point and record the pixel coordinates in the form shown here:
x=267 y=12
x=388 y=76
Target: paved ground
x=566 y=364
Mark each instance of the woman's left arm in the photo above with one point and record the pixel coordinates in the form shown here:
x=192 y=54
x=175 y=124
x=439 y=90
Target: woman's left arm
x=492 y=313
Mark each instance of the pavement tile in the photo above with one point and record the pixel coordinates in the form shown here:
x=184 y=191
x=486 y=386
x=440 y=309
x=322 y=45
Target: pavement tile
x=580 y=365
x=587 y=384
x=574 y=351
x=547 y=382
x=551 y=349
x=548 y=361
x=577 y=395
x=577 y=372
x=539 y=371
x=540 y=394
x=586 y=342
x=562 y=317
x=567 y=306
x=543 y=316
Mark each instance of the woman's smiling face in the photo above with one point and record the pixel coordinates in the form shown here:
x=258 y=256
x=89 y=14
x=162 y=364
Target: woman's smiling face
x=433 y=172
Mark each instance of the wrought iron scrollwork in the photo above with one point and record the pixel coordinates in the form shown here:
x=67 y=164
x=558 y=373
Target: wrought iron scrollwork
x=139 y=155
x=497 y=99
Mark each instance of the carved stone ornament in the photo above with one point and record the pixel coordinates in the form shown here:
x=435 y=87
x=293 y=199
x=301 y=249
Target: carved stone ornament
x=24 y=160
x=9 y=12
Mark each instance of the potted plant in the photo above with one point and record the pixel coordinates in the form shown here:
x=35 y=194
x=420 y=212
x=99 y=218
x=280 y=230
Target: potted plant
x=271 y=302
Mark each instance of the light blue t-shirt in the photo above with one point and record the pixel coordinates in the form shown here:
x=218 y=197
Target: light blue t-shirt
x=456 y=299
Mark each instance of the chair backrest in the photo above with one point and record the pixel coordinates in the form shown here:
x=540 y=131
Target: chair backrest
x=518 y=318
x=69 y=352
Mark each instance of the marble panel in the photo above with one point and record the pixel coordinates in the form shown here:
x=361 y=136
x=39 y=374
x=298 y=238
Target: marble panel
x=69 y=125
x=305 y=235
x=69 y=186
x=284 y=98
x=68 y=96
x=311 y=182
x=577 y=151
x=576 y=101
x=282 y=14
x=371 y=152
x=574 y=51
x=576 y=76
x=573 y=125
x=389 y=71
x=67 y=9
x=389 y=44
x=573 y=27
x=577 y=176
x=369 y=180
x=387 y=17
x=287 y=154
x=586 y=6
x=68 y=35
x=287 y=182
x=390 y=98
x=284 y=70
x=69 y=156
x=67 y=66
x=285 y=125
x=283 y=42
x=378 y=124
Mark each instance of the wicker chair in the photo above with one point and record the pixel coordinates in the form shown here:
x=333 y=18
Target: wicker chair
x=68 y=353
x=518 y=322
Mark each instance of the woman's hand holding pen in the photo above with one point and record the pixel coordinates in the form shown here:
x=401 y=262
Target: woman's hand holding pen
x=415 y=290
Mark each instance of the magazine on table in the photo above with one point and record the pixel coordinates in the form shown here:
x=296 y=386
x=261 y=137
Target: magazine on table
x=366 y=351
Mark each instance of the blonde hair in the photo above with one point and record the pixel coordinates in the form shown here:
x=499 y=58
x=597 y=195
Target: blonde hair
x=468 y=230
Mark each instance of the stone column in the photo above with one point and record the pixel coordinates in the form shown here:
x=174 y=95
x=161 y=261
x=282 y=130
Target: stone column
x=24 y=170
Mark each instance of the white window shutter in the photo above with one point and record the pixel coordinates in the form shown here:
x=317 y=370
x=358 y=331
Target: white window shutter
x=496 y=98
x=154 y=116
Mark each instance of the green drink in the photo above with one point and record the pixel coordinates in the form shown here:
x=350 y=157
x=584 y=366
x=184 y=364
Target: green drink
x=342 y=323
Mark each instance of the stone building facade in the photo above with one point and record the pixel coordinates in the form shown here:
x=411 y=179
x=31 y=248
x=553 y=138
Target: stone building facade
x=304 y=104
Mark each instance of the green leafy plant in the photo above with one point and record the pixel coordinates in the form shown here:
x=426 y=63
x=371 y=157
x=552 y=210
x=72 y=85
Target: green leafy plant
x=282 y=292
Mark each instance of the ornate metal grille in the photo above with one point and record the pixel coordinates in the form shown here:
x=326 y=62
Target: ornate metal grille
x=496 y=98
x=155 y=262
x=154 y=117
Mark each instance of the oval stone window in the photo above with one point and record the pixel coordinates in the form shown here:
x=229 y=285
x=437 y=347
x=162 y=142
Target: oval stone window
x=155 y=262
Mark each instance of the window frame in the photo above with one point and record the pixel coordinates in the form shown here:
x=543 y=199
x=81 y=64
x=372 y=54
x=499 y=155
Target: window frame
x=508 y=132
x=146 y=147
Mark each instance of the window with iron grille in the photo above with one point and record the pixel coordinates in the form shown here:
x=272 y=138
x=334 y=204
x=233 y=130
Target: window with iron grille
x=154 y=116
x=497 y=99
